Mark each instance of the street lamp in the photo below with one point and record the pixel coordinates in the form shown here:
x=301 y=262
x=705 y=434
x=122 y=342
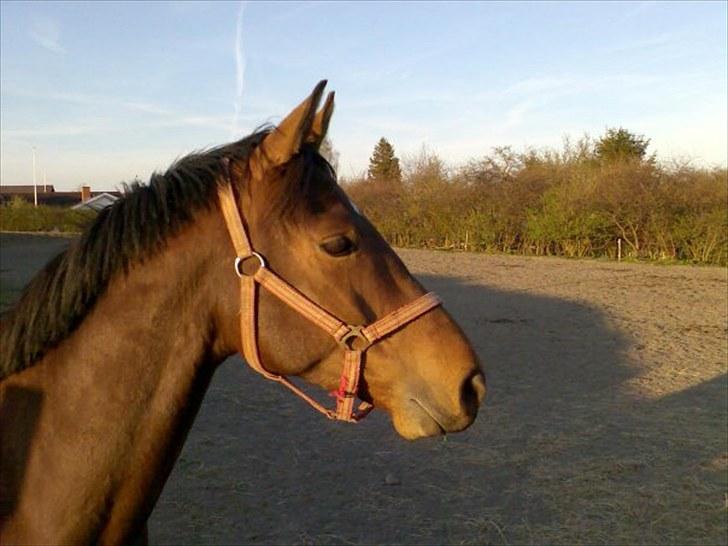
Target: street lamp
x=35 y=187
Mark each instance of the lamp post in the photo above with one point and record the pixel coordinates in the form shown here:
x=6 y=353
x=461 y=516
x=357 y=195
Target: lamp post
x=35 y=187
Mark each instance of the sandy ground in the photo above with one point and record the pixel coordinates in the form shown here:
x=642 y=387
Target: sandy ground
x=605 y=422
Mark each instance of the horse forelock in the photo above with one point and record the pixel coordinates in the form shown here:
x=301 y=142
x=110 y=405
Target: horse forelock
x=309 y=180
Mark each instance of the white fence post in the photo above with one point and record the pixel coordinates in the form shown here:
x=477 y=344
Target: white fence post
x=619 y=249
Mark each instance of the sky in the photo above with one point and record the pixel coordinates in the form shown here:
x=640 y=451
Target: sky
x=106 y=92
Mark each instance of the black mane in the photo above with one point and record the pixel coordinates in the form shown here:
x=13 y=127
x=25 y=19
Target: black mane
x=134 y=228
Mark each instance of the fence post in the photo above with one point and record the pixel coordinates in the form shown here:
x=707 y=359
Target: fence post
x=619 y=249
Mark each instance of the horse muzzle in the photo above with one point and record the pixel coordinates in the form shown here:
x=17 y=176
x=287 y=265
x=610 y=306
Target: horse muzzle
x=422 y=415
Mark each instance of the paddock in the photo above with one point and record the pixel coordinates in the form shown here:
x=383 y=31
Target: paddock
x=605 y=421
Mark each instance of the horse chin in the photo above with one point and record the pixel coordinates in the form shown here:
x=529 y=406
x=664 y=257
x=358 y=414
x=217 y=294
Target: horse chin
x=415 y=421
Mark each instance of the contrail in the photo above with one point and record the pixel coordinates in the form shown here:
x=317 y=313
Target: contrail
x=239 y=70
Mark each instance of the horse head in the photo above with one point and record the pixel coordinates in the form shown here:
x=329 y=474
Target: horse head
x=424 y=372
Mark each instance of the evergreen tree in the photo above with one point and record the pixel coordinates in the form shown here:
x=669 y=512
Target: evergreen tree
x=620 y=144
x=384 y=165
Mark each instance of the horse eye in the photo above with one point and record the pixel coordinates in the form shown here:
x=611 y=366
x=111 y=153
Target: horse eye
x=338 y=246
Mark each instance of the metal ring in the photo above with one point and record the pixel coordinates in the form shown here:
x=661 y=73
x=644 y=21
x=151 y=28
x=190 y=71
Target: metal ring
x=241 y=259
x=349 y=338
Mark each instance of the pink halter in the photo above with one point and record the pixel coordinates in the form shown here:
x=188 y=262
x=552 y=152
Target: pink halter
x=344 y=334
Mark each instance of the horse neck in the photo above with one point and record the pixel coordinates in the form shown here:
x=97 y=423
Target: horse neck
x=120 y=394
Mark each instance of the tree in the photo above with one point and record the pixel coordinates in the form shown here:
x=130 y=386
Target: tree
x=384 y=165
x=620 y=144
x=329 y=153
x=501 y=166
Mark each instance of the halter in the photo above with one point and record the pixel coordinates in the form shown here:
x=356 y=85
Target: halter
x=355 y=340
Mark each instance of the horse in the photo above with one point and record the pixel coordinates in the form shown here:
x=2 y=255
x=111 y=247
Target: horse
x=251 y=247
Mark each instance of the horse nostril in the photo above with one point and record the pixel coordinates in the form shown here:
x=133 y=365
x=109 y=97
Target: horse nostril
x=473 y=391
x=479 y=385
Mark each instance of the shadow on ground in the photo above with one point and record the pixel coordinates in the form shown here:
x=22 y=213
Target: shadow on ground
x=562 y=452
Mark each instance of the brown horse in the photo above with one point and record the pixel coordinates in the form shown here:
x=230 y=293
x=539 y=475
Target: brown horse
x=105 y=359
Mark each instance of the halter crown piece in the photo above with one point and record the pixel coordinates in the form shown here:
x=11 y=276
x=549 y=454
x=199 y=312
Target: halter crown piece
x=345 y=335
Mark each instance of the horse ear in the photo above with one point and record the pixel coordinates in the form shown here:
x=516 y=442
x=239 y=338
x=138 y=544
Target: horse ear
x=321 y=122
x=285 y=140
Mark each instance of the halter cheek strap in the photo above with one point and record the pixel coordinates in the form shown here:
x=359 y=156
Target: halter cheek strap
x=355 y=340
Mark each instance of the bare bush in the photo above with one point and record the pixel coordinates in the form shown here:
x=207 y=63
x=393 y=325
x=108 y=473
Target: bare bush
x=567 y=202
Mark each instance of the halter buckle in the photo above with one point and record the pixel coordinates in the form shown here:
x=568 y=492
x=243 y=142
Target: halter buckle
x=349 y=338
x=240 y=264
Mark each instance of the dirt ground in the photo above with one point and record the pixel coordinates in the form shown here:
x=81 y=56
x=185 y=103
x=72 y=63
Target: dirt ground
x=605 y=422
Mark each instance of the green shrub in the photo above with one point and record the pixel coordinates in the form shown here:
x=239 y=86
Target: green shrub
x=565 y=203
x=19 y=215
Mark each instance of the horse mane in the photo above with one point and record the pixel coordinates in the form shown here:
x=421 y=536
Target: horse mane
x=131 y=230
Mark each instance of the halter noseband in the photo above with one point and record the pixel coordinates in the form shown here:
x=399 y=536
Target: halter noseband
x=346 y=335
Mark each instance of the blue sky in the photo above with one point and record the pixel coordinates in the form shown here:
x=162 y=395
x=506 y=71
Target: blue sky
x=110 y=91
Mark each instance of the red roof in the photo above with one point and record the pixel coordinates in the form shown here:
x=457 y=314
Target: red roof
x=27 y=189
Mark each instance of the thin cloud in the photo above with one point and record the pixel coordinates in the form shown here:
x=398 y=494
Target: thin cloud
x=56 y=131
x=638 y=9
x=47 y=34
x=239 y=69
x=90 y=100
x=537 y=85
x=641 y=44
x=390 y=124
x=212 y=122
x=147 y=108
x=165 y=116
x=70 y=130
x=517 y=113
